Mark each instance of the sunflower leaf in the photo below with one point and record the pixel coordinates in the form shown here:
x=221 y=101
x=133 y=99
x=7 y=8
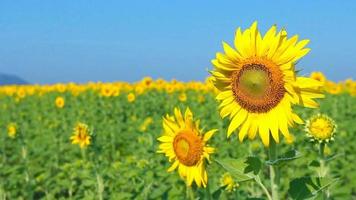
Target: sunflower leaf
x=216 y=194
x=288 y=156
x=236 y=167
x=309 y=187
x=254 y=165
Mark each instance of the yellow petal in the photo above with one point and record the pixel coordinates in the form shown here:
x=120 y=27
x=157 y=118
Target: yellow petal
x=165 y=138
x=297 y=119
x=174 y=166
x=208 y=134
x=244 y=129
x=236 y=121
x=264 y=131
x=274 y=125
x=179 y=117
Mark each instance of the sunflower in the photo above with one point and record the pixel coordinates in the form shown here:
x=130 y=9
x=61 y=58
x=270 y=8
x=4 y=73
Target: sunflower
x=320 y=128
x=131 y=97
x=11 y=130
x=185 y=145
x=81 y=135
x=106 y=91
x=319 y=76
x=228 y=182
x=258 y=85
x=182 y=97
x=59 y=102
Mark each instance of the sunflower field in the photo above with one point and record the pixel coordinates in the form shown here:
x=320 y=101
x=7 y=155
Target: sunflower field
x=38 y=159
x=234 y=136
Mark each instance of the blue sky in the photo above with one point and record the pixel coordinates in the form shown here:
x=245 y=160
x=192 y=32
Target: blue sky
x=82 y=40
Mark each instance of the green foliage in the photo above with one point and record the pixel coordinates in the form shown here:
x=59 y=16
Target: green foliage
x=308 y=187
x=254 y=165
x=122 y=163
x=283 y=159
x=237 y=168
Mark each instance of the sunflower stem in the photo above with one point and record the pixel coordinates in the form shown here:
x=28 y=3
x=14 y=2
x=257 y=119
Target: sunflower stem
x=259 y=182
x=273 y=170
x=323 y=168
x=190 y=193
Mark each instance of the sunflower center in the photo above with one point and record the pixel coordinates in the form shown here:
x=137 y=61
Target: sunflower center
x=321 y=129
x=254 y=82
x=188 y=148
x=258 y=87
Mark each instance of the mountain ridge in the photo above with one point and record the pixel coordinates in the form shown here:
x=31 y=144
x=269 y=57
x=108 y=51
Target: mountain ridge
x=9 y=79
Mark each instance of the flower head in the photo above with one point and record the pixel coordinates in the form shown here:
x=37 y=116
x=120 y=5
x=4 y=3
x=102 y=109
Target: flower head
x=319 y=76
x=185 y=145
x=60 y=102
x=320 y=128
x=258 y=83
x=182 y=97
x=11 y=130
x=228 y=182
x=81 y=135
x=131 y=97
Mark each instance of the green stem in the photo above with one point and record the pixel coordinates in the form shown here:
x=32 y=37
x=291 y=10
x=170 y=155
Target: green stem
x=323 y=168
x=100 y=186
x=273 y=170
x=84 y=154
x=258 y=181
x=190 y=193
x=207 y=190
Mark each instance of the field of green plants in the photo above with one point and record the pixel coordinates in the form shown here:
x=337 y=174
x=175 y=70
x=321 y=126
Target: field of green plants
x=122 y=162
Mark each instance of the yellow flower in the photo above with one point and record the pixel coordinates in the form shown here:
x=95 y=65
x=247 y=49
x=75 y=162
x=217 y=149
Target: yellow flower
x=139 y=89
x=185 y=145
x=131 y=97
x=320 y=128
x=21 y=93
x=81 y=135
x=182 y=97
x=11 y=130
x=258 y=83
x=228 y=182
x=319 y=76
x=106 y=91
x=59 y=102
x=333 y=88
x=169 y=88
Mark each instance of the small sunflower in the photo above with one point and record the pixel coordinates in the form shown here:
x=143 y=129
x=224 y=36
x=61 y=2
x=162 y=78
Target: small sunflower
x=131 y=97
x=59 y=102
x=320 y=128
x=182 y=97
x=81 y=135
x=319 y=76
x=11 y=130
x=106 y=91
x=258 y=85
x=228 y=182
x=185 y=145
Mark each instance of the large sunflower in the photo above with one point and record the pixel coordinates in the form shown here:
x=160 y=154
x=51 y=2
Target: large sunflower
x=258 y=83
x=185 y=145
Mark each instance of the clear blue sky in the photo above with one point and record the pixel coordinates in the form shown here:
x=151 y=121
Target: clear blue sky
x=82 y=40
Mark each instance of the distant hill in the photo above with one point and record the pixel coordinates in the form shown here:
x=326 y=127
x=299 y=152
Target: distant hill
x=7 y=79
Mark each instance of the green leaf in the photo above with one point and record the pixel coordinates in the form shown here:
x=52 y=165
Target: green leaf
x=288 y=156
x=236 y=168
x=254 y=165
x=217 y=193
x=308 y=187
x=314 y=163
